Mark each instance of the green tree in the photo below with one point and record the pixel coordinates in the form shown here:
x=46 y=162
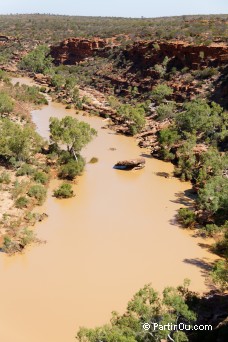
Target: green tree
x=220 y=274
x=18 y=141
x=214 y=195
x=71 y=133
x=199 y=117
x=58 y=81
x=167 y=138
x=187 y=164
x=38 y=60
x=145 y=307
x=212 y=163
x=134 y=116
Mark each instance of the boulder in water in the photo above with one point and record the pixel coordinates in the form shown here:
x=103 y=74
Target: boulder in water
x=131 y=164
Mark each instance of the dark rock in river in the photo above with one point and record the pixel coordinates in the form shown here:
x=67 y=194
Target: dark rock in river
x=131 y=164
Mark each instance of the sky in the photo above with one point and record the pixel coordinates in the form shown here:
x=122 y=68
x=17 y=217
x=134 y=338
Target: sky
x=117 y=8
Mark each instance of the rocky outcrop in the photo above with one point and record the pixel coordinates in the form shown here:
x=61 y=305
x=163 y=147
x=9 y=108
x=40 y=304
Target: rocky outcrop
x=181 y=54
x=143 y=53
x=131 y=164
x=74 y=50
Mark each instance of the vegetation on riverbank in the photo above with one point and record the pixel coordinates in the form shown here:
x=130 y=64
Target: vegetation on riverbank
x=23 y=168
x=25 y=159
x=171 y=316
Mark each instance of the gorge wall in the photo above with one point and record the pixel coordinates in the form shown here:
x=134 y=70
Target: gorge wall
x=182 y=54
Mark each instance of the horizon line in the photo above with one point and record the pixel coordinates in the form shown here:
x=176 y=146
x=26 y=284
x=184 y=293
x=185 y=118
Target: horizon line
x=113 y=17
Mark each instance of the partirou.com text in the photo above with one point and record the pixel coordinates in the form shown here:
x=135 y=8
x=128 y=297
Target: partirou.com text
x=175 y=327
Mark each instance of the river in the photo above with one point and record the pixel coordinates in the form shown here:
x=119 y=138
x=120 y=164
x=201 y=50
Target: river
x=117 y=234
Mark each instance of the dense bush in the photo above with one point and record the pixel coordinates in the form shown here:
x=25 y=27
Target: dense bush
x=161 y=92
x=20 y=142
x=64 y=191
x=38 y=192
x=206 y=73
x=220 y=274
x=72 y=168
x=214 y=195
x=199 y=116
x=135 y=117
x=187 y=217
x=6 y=103
x=37 y=60
x=25 y=169
x=40 y=177
x=166 y=110
x=21 y=202
x=5 y=177
x=167 y=138
x=146 y=306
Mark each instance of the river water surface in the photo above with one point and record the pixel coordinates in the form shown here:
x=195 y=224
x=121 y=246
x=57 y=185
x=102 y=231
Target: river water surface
x=117 y=234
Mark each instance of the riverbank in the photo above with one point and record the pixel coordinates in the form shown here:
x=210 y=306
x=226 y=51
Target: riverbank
x=23 y=169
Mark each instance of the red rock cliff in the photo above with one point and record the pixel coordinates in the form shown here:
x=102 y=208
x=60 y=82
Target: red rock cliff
x=74 y=50
x=182 y=54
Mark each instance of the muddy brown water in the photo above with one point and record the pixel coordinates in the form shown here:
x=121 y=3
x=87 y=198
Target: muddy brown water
x=117 y=234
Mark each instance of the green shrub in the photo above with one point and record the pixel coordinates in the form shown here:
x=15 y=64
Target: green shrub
x=186 y=217
x=25 y=169
x=166 y=110
x=40 y=177
x=21 y=202
x=6 y=103
x=211 y=229
x=9 y=246
x=5 y=177
x=161 y=92
x=72 y=168
x=42 y=89
x=38 y=192
x=205 y=73
x=64 y=191
x=19 y=188
x=220 y=274
x=3 y=75
x=26 y=237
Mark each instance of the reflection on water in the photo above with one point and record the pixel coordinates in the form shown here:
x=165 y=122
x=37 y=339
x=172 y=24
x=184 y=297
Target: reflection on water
x=117 y=234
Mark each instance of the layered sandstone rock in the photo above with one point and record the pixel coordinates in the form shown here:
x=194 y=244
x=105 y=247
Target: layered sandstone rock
x=74 y=50
x=144 y=53
x=181 y=54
